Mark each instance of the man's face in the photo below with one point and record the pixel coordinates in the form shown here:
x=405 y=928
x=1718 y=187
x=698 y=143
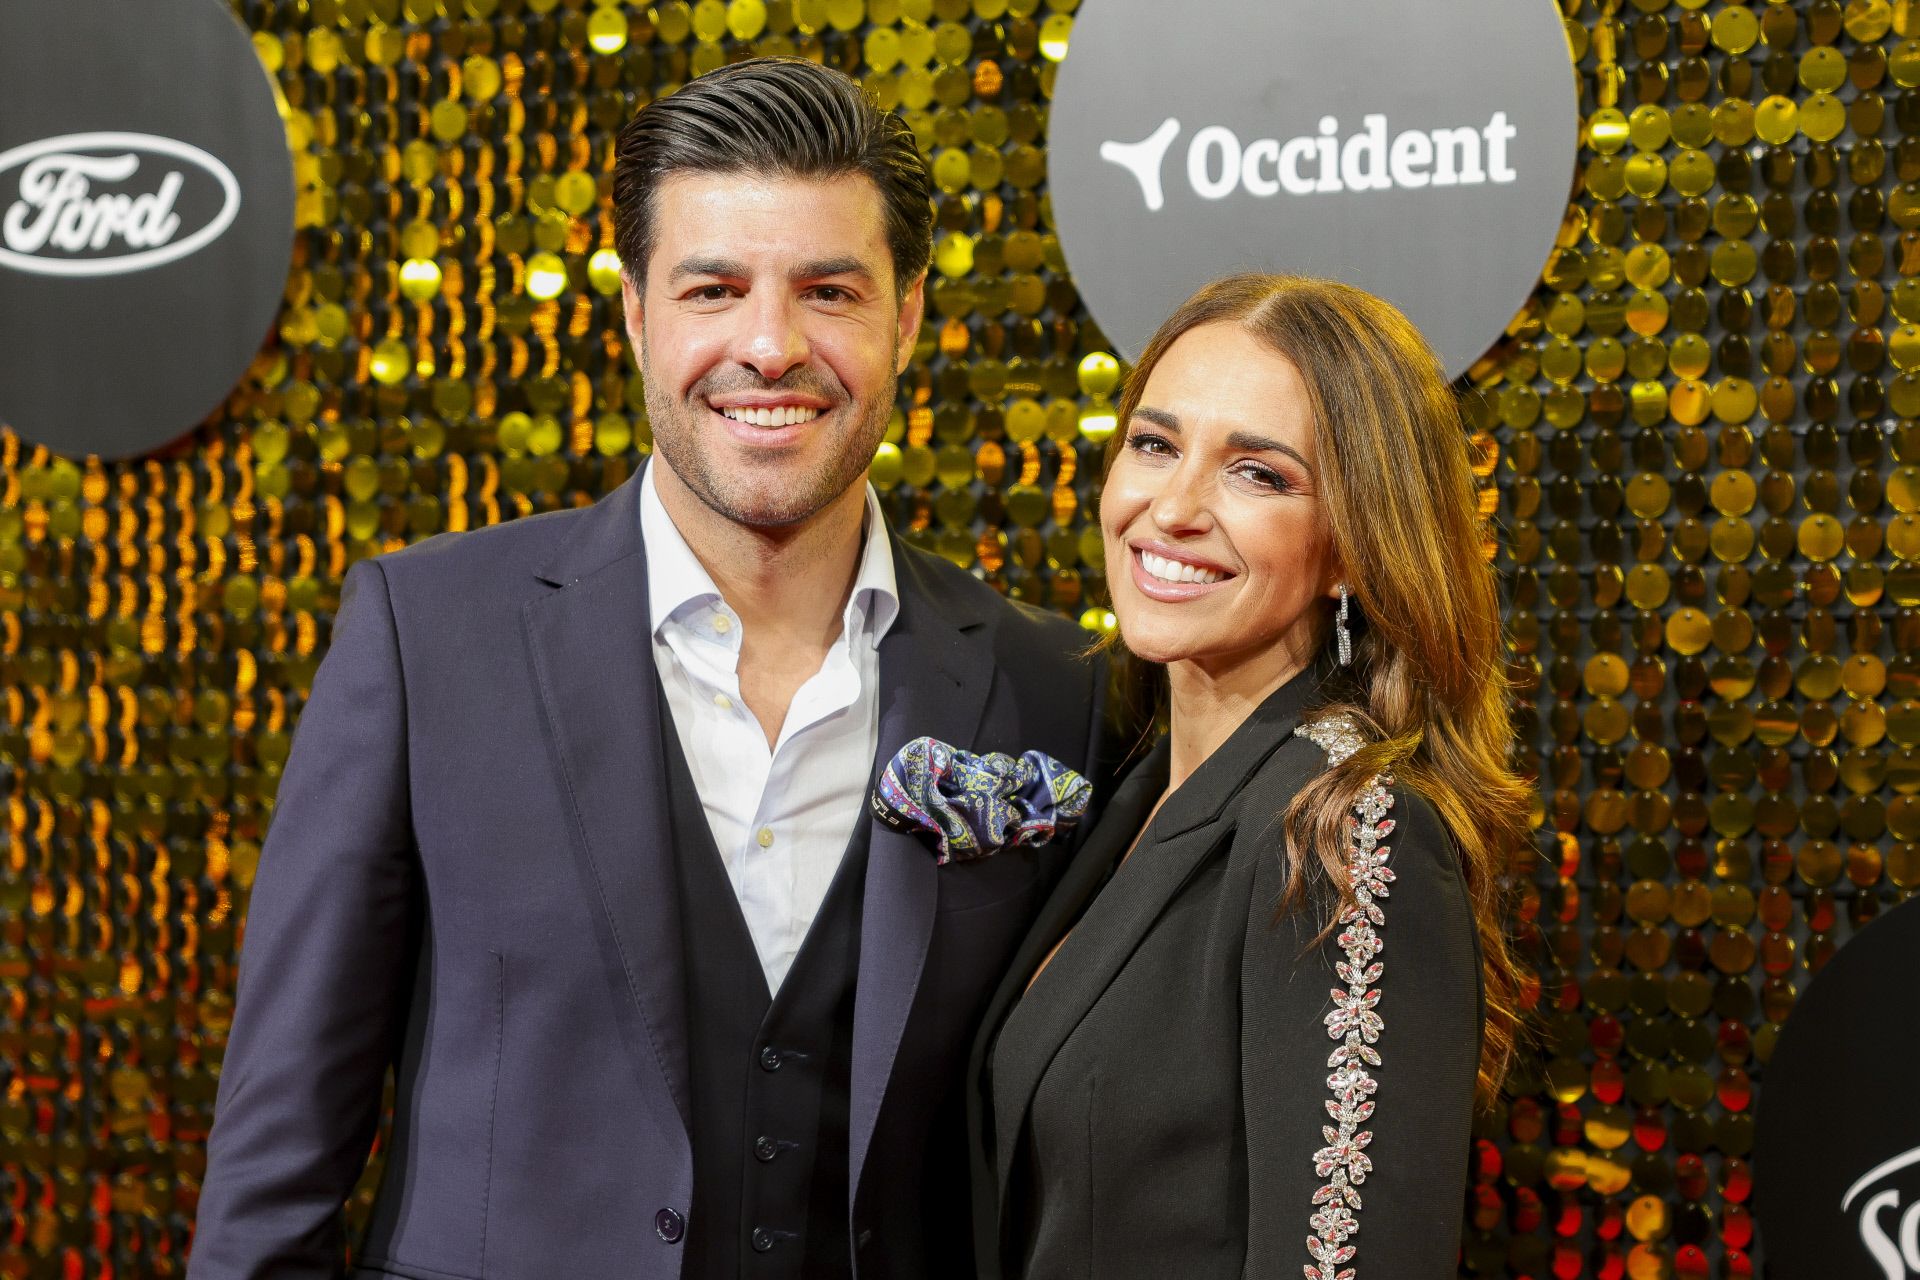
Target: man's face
x=770 y=334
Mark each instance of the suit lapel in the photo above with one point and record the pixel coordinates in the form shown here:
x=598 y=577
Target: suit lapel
x=936 y=668
x=591 y=649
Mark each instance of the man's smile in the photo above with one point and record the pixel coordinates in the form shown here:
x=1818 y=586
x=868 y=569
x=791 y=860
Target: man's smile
x=785 y=415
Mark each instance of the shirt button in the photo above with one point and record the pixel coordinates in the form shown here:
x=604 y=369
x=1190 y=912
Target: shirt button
x=722 y=623
x=765 y=837
x=765 y=1149
x=669 y=1225
x=769 y=1059
x=762 y=1240
x=723 y=702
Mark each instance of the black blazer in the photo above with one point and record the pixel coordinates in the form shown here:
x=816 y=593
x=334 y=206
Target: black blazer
x=470 y=878
x=1153 y=1106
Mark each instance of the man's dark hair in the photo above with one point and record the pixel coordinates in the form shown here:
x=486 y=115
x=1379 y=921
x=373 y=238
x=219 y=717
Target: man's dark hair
x=784 y=117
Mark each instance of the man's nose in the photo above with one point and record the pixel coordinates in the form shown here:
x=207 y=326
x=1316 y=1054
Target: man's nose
x=772 y=338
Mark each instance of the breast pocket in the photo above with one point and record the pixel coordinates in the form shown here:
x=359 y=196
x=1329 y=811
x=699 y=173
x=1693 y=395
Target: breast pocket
x=995 y=879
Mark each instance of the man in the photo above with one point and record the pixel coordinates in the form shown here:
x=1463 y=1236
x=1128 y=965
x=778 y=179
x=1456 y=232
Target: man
x=575 y=833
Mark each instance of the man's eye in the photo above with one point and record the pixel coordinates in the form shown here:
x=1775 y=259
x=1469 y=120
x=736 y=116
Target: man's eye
x=832 y=293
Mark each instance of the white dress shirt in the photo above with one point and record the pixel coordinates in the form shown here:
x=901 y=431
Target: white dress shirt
x=781 y=818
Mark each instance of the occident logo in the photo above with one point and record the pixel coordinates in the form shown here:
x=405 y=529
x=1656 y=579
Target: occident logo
x=1888 y=1222
x=1423 y=152
x=99 y=204
x=1316 y=164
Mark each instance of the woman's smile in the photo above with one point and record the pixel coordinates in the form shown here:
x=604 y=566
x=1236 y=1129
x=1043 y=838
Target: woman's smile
x=1174 y=576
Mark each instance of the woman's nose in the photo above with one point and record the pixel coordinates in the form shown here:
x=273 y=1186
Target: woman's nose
x=1182 y=505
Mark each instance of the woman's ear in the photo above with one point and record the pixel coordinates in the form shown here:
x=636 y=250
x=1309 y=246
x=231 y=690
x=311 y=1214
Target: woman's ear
x=1333 y=567
x=1336 y=578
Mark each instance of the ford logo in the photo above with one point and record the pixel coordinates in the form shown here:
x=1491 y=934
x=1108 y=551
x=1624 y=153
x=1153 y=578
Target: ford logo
x=101 y=204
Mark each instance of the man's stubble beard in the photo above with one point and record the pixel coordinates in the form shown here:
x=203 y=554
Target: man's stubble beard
x=787 y=501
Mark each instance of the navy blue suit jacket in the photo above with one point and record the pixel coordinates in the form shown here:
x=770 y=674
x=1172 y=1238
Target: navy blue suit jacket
x=469 y=880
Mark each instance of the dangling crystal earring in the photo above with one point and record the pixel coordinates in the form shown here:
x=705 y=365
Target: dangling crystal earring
x=1342 y=638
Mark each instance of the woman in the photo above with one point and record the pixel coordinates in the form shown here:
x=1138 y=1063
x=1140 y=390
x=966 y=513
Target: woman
x=1288 y=913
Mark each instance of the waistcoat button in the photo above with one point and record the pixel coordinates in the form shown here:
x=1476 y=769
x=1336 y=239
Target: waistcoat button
x=669 y=1225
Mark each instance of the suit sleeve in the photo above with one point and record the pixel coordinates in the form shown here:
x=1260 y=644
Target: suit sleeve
x=325 y=966
x=1429 y=1044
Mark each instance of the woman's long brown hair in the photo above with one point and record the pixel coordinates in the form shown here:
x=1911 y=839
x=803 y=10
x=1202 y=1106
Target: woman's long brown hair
x=1428 y=681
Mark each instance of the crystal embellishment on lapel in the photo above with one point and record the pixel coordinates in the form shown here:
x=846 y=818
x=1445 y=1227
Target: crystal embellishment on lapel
x=976 y=805
x=1355 y=1021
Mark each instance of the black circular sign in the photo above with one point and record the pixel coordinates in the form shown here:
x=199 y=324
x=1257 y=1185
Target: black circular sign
x=1422 y=151
x=1837 y=1156
x=146 y=218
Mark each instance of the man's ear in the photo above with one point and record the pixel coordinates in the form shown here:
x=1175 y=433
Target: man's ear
x=630 y=301
x=913 y=309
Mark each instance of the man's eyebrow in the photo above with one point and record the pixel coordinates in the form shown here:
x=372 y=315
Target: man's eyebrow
x=845 y=265
x=723 y=267
x=732 y=269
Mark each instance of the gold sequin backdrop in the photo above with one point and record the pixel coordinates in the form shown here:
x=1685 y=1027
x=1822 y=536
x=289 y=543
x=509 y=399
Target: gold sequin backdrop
x=1701 y=439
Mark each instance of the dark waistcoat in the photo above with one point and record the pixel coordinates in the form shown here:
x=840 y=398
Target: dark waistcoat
x=770 y=1076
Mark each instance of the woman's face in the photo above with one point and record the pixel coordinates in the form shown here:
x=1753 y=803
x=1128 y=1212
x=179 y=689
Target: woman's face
x=1217 y=550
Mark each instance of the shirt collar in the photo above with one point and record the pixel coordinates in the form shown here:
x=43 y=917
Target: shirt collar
x=676 y=580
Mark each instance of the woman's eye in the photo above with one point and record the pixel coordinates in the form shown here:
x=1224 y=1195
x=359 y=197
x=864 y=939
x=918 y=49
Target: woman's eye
x=1147 y=442
x=1266 y=477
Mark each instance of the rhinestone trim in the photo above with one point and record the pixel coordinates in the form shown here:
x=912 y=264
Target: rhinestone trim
x=1355 y=1022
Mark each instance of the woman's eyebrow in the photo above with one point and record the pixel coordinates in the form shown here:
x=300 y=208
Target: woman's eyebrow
x=1247 y=442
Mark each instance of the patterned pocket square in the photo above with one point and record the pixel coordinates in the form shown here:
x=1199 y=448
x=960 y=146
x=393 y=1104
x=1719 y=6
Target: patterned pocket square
x=976 y=805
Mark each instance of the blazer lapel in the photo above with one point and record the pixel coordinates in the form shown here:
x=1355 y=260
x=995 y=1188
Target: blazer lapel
x=1193 y=822
x=1120 y=817
x=1097 y=949
x=936 y=668
x=591 y=648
